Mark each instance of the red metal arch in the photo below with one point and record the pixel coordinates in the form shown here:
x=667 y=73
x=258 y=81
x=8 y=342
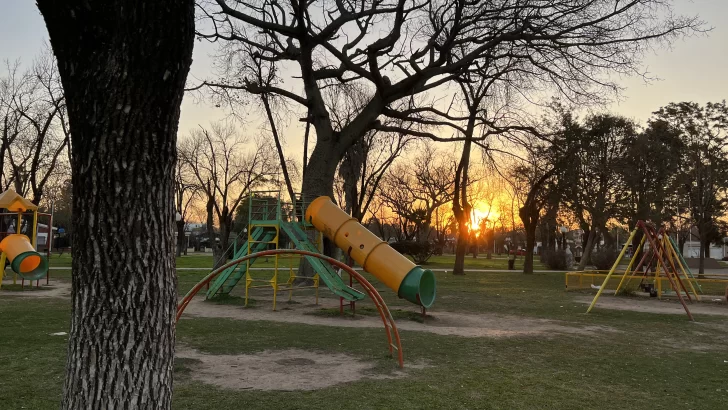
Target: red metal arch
x=393 y=339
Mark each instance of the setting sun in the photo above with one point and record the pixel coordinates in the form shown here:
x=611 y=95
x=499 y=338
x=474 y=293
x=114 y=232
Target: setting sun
x=479 y=214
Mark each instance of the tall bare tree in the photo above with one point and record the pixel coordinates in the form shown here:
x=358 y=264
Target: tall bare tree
x=35 y=129
x=185 y=192
x=363 y=168
x=415 y=190
x=123 y=65
x=225 y=166
x=539 y=183
x=487 y=105
x=401 y=51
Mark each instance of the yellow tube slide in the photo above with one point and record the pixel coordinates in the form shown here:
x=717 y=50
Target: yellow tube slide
x=410 y=281
x=23 y=258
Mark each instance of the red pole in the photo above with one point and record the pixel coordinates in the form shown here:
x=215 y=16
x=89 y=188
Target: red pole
x=390 y=326
x=654 y=246
x=352 y=304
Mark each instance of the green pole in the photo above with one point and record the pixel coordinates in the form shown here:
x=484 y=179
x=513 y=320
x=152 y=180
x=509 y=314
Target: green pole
x=685 y=264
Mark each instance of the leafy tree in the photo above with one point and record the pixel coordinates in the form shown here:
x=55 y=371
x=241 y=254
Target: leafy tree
x=414 y=191
x=702 y=177
x=650 y=167
x=224 y=173
x=592 y=177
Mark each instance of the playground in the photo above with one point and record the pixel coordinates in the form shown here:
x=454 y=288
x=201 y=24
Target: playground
x=491 y=338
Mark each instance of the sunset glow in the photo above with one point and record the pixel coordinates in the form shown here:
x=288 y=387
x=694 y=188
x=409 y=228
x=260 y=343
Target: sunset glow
x=479 y=214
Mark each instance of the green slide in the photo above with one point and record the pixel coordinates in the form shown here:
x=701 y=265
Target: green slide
x=226 y=281
x=326 y=273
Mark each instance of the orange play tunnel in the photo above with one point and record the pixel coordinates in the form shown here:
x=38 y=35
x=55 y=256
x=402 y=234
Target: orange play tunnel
x=410 y=281
x=24 y=259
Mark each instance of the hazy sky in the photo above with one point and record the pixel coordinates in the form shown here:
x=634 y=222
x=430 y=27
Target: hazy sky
x=694 y=69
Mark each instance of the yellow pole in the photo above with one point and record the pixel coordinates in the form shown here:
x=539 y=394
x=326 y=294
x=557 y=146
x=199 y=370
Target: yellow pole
x=611 y=271
x=290 y=278
x=275 y=270
x=35 y=229
x=659 y=287
x=640 y=248
x=248 y=276
x=274 y=282
x=248 y=282
x=674 y=256
x=316 y=283
x=657 y=275
x=631 y=262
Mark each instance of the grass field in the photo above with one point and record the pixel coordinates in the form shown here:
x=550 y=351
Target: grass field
x=204 y=261
x=555 y=356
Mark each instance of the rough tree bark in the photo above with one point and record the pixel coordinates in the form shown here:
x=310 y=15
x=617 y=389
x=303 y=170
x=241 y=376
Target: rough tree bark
x=586 y=255
x=318 y=181
x=529 y=216
x=530 y=213
x=212 y=235
x=123 y=65
x=460 y=206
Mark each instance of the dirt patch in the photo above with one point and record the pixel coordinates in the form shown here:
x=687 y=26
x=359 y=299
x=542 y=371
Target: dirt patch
x=57 y=289
x=285 y=370
x=442 y=323
x=652 y=305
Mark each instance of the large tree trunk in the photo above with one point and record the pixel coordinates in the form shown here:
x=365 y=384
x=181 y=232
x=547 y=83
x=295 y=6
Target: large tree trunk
x=610 y=242
x=461 y=248
x=701 y=263
x=529 y=217
x=460 y=206
x=530 y=244
x=212 y=236
x=320 y=173
x=318 y=181
x=681 y=240
x=706 y=245
x=226 y=225
x=586 y=255
x=123 y=65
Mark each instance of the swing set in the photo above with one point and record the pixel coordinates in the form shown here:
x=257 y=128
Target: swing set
x=655 y=260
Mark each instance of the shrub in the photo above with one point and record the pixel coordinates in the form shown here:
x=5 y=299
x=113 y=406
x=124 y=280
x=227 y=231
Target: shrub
x=604 y=258
x=555 y=260
x=419 y=251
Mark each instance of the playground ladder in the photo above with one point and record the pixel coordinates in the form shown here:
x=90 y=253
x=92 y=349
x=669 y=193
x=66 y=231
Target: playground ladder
x=226 y=281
